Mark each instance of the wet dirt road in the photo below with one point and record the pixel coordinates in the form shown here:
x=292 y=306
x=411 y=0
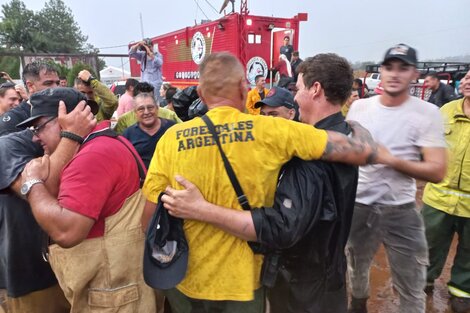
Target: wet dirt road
x=385 y=300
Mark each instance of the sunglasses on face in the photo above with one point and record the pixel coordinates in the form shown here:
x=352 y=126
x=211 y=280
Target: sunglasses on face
x=37 y=129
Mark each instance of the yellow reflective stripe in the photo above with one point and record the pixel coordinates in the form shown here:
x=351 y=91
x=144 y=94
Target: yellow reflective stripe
x=457 y=292
x=450 y=192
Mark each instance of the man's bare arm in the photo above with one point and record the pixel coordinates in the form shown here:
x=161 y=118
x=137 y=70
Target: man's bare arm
x=79 y=121
x=190 y=204
x=149 y=209
x=65 y=227
x=359 y=149
x=432 y=168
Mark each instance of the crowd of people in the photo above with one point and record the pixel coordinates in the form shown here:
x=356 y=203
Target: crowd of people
x=263 y=200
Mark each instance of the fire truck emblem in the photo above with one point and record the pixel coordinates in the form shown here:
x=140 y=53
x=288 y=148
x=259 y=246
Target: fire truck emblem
x=198 y=47
x=256 y=66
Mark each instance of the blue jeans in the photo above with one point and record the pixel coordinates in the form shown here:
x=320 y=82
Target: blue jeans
x=401 y=230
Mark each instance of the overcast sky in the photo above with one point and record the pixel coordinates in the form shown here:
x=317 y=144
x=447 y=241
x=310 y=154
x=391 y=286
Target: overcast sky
x=359 y=30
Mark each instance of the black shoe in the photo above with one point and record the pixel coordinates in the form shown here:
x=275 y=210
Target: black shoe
x=358 y=305
x=429 y=289
x=460 y=305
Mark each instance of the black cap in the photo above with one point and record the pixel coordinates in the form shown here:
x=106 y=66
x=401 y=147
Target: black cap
x=147 y=41
x=277 y=97
x=46 y=103
x=401 y=52
x=166 y=250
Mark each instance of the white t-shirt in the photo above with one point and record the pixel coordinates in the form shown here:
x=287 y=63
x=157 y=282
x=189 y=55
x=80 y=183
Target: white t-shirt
x=403 y=130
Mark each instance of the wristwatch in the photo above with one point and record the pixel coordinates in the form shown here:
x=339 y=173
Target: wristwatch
x=26 y=187
x=90 y=79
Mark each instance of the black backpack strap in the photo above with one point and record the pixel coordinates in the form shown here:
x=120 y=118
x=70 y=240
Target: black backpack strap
x=242 y=199
x=108 y=132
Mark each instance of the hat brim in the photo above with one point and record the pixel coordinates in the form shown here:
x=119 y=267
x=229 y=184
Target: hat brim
x=154 y=275
x=164 y=278
x=272 y=104
x=399 y=57
x=94 y=106
x=30 y=121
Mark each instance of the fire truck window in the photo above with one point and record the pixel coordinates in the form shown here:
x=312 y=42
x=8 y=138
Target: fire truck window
x=258 y=39
x=251 y=38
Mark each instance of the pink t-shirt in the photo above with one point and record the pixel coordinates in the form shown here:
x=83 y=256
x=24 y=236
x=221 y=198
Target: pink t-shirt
x=126 y=104
x=97 y=181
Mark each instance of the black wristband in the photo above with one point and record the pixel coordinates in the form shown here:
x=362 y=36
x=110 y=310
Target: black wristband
x=71 y=136
x=88 y=82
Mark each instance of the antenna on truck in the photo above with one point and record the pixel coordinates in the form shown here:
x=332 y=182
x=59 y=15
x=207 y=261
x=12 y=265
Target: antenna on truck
x=224 y=5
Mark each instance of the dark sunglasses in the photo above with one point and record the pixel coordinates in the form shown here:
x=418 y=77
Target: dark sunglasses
x=36 y=129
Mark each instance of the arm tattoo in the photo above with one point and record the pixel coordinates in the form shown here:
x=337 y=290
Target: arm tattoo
x=358 y=144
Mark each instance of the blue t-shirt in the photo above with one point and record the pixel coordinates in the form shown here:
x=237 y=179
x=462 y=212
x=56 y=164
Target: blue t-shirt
x=144 y=143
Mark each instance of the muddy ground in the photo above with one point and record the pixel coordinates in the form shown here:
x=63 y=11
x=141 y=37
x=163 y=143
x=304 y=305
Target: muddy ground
x=383 y=299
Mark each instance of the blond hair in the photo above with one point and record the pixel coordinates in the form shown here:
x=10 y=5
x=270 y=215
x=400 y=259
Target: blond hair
x=220 y=73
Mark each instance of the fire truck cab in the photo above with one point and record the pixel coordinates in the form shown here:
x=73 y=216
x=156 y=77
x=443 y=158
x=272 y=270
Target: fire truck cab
x=255 y=40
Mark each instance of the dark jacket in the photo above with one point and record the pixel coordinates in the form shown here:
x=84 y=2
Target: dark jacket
x=9 y=119
x=310 y=223
x=443 y=94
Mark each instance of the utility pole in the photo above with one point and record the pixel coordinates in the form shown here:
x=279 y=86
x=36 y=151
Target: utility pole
x=141 y=26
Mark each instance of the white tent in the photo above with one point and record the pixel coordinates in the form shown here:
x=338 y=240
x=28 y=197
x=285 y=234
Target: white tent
x=111 y=74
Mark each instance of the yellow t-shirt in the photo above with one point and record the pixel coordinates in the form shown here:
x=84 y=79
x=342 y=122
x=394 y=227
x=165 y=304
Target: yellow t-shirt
x=221 y=266
x=251 y=98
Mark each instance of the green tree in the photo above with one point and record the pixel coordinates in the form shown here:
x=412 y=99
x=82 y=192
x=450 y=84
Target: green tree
x=11 y=65
x=19 y=28
x=51 y=30
x=57 y=24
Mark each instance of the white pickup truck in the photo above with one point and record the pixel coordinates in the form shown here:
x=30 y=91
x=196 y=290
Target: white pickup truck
x=372 y=80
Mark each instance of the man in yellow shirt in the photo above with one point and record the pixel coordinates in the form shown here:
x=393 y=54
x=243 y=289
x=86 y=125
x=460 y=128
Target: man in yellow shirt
x=256 y=94
x=223 y=272
x=446 y=208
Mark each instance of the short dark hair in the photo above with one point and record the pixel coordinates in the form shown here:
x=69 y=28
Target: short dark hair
x=286 y=37
x=170 y=93
x=333 y=72
x=166 y=85
x=295 y=53
x=4 y=87
x=358 y=81
x=258 y=77
x=62 y=78
x=32 y=70
x=143 y=87
x=131 y=82
x=433 y=75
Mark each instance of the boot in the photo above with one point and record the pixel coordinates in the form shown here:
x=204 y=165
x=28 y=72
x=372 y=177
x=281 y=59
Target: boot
x=460 y=305
x=429 y=289
x=358 y=305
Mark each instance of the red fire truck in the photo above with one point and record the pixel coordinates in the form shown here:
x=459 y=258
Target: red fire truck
x=255 y=40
